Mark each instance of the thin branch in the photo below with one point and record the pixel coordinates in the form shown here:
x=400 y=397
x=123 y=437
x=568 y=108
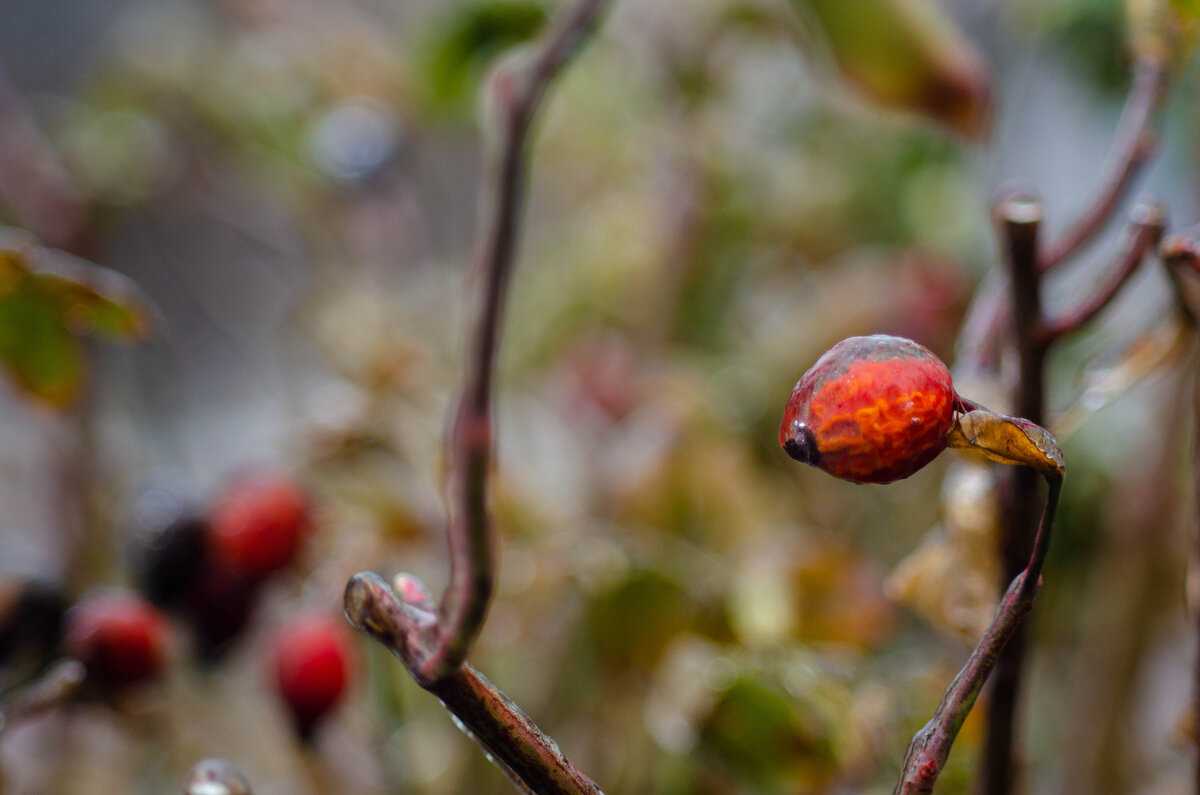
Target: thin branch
x=433 y=642
x=516 y=91
x=1146 y=227
x=1133 y=144
x=930 y=747
x=52 y=688
x=501 y=729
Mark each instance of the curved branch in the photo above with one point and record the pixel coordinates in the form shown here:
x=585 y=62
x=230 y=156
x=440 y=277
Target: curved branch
x=1133 y=144
x=930 y=747
x=1145 y=229
x=516 y=92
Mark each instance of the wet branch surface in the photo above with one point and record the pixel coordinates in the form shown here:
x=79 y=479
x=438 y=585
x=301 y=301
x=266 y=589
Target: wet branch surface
x=1030 y=335
x=930 y=747
x=433 y=641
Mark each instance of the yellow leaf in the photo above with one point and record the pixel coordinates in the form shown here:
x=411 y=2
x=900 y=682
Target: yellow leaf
x=1008 y=440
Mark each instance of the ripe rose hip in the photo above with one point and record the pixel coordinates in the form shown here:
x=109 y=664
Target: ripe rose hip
x=258 y=524
x=313 y=658
x=871 y=410
x=118 y=636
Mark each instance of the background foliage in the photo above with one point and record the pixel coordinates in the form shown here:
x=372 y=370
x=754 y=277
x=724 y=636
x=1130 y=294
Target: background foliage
x=292 y=185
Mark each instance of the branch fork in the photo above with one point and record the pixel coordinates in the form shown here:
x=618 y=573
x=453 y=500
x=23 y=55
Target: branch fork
x=433 y=640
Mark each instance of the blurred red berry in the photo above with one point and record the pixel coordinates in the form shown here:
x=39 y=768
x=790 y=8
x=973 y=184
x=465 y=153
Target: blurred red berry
x=121 y=638
x=871 y=410
x=313 y=657
x=258 y=524
x=165 y=560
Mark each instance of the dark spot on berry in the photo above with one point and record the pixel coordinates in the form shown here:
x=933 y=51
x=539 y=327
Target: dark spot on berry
x=801 y=445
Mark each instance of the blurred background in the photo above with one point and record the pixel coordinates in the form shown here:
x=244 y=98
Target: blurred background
x=714 y=201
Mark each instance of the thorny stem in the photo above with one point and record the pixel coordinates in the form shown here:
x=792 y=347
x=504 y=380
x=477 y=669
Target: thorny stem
x=492 y=720
x=930 y=747
x=516 y=92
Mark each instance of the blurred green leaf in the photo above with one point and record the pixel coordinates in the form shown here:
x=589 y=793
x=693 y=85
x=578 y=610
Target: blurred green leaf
x=46 y=309
x=907 y=54
x=469 y=38
x=768 y=737
x=633 y=623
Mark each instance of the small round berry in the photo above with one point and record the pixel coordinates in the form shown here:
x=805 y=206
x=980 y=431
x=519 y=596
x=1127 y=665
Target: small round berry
x=165 y=560
x=871 y=410
x=313 y=657
x=258 y=524
x=121 y=638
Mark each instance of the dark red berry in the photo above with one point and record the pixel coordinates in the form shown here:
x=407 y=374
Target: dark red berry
x=165 y=561
x=120 y=637
x=871 y=410
x=217 y=607
x=313 y=657
x=31 y=618
x=258 y=524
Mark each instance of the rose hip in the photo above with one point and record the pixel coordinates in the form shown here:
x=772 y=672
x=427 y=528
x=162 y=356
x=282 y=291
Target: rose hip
x=258 y=523
x=313 y=657
x=871 y=410
x=118 y=636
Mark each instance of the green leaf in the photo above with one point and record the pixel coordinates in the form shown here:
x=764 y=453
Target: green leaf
x=48 y=301
x=907 y=54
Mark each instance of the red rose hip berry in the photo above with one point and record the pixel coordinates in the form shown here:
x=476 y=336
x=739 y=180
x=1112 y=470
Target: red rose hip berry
x=871 y=410
x=258 y=524
x=313 y=659
x=119 y=637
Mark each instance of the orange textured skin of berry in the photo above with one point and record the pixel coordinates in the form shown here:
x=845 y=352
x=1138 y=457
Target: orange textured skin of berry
x=871 y=410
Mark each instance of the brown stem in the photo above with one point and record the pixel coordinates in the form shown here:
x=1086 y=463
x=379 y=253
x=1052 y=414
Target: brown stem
x=493 y=721
x=50 y=689
x=517 y=90
x=1133 y=144
x=1019 y=221
x=930 y=747
x=433 y=642
x=1146 y=227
